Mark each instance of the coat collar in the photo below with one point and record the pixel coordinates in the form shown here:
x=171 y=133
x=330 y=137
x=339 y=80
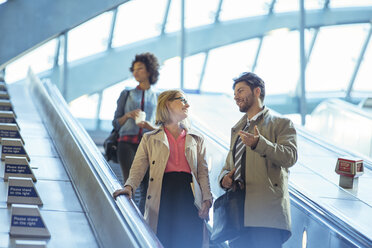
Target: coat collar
x=243 y=121
x=159 y=134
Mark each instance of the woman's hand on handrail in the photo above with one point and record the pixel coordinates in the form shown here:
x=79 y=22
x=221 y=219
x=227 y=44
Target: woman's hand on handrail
x=127 y=190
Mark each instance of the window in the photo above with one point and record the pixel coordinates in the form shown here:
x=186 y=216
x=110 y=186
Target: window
x=89 y=38
x=138 y=20
x=40 y=59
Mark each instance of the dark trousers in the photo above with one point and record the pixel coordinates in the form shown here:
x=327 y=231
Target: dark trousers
x=126 y=152
x=179 y=225
x=259 y=237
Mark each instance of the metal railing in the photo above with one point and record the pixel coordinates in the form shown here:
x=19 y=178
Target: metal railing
x=115 y=224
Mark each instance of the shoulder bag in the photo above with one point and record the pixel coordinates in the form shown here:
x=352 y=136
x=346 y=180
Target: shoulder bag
x=110 y=144
x=228 y=216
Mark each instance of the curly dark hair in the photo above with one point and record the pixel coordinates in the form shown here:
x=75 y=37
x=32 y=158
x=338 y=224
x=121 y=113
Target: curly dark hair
x=151 y=63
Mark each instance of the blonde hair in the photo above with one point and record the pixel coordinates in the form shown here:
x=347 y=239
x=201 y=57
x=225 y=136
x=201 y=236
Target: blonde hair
x=162 y=111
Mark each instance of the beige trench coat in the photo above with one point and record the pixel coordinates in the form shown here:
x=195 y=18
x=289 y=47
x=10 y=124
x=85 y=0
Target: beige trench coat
x=267 y=202
x=153 y=152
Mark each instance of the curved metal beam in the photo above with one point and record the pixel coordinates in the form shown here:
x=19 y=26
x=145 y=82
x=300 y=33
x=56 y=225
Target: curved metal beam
x=27 y=24
x=112 y=66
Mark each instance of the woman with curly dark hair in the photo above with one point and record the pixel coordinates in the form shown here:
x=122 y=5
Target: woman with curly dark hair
x=135 y=115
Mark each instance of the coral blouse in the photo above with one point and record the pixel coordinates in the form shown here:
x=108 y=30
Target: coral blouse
x=177 y=161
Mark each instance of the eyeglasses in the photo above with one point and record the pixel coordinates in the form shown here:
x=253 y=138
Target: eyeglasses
x=182 y=99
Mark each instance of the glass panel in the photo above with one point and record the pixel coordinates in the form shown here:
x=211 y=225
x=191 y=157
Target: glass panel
x=61 y=40
x=169 y=77
x=294 y=5
x=138 y=20
x=200 y=12
x=363 y=81
x=89 y=38
x=197 y=13
x=348 y=3
x=227 y=62
x=40 y=59
x=333 y=58
x=193 y=67
x=174 y=17
x=235 y=9
x=278 y=64
x=84 y=106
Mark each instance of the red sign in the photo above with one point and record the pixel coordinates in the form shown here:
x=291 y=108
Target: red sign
x=344 y=166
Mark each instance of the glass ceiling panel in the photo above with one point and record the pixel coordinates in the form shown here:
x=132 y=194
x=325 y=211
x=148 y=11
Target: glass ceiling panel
x=40 y=59
x=89 y=38
x=174 y=17
x=193 y=67
x=84 y=106
x=169 y=77
x=226 y=63
x=200 y=13
x=235 y=9
x=349 y=3
x=334 y=55
x=363 y=81
x=279 y=63
x=294 y=5
x=138 y=20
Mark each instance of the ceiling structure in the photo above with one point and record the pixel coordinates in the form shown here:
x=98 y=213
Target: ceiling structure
x=45 y=20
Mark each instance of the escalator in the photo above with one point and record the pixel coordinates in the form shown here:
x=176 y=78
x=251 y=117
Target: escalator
x=74 y=181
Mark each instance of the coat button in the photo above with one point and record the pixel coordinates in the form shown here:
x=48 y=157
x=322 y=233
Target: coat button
x=149 y=197
x=153 y=162
x=276 y=185
x=151 y=179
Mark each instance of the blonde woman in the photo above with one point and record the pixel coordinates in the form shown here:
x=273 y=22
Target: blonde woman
x=174 y=154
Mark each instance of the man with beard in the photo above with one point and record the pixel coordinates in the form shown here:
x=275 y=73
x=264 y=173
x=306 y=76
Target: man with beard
x=262 y=149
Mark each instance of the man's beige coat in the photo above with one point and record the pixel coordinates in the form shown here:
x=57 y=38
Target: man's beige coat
x=267 y=202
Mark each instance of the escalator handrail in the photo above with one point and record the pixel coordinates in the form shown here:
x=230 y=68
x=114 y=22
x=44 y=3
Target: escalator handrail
x=126 y=210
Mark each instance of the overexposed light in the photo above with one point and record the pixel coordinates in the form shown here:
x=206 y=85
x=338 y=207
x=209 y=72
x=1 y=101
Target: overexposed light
x=110 y=97
x=131 y=26
x=89 y=38
x=169 y=77
x=40 y=59
x=235 y=9
x=304 y=239
x=279 y=31
x=84 y=106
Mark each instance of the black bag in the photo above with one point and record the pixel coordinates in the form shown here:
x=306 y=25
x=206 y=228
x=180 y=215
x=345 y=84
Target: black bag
x=111 y=142
x=111 y=146
x=228 y=216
